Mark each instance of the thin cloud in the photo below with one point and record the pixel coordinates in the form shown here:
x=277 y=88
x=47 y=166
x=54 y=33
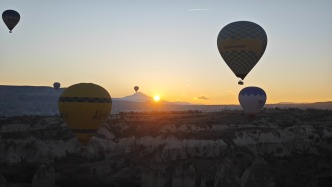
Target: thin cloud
x=197 y=9
x=202 y=97
x=230 y=92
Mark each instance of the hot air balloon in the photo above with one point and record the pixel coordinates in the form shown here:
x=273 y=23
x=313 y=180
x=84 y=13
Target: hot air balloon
x=84 y=108
x=241 y=44
x=56 y=85
x=11 y=18
x=136 y=88
x=252 y=100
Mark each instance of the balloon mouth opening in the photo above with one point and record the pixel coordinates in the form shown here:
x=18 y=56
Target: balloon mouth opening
x=241 y=76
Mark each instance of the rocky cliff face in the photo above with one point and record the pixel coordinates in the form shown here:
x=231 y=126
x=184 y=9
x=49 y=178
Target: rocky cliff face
x=28 y=139
x=279 y=148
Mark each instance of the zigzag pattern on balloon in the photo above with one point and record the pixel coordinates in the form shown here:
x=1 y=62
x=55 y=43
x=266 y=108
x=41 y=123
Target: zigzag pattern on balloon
x=252 y=91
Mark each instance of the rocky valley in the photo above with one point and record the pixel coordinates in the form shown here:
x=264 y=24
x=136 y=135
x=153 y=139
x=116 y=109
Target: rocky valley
x=280 y=147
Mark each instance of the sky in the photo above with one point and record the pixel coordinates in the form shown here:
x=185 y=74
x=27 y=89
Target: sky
x=168 y=48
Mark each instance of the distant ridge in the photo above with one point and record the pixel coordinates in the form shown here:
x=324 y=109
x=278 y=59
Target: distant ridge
x=285 y=103
x=43 y=100
x=325 y=105
x=136 y=97
x=295 y=103
x=29 y=100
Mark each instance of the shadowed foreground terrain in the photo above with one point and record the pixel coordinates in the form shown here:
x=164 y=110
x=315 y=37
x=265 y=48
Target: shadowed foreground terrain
x=281 y=147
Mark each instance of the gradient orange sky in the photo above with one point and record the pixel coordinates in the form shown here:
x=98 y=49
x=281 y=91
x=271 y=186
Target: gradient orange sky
x=168 y=48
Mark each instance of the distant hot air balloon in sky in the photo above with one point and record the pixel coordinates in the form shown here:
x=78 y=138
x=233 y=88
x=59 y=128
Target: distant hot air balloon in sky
x=56 y=85
x=136 y=88
x=252 y=100
x=11 y=18
x=241 y=44
x=84 y=108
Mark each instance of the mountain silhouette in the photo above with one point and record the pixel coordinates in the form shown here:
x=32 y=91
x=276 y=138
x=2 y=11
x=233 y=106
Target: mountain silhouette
x=137 y=97
x=141 y=97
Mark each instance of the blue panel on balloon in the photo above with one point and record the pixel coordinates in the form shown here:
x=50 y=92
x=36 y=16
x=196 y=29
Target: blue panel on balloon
x=252 y=91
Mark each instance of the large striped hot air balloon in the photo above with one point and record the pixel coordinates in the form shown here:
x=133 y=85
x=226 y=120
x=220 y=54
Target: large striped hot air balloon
x=241 y=44
x=84 y=108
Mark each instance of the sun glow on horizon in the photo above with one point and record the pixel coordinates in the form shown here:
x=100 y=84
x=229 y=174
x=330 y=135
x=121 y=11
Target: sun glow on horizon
x=156 y=98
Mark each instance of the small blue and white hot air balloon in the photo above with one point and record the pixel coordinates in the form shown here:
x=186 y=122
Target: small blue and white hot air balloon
x=252 y=100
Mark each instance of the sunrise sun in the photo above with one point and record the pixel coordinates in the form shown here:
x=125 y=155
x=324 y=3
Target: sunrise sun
x=156 y=98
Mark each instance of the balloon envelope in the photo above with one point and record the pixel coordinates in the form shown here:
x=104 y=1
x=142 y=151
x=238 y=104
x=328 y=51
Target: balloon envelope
x=11 y=18
x=56 y=85
x=136 y=88
x=84 y=108
x=241 y=44
x=252 y=100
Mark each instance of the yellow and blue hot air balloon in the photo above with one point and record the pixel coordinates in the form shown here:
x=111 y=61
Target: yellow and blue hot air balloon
x=11 y=18
x=241 y=44
x=84 y=108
